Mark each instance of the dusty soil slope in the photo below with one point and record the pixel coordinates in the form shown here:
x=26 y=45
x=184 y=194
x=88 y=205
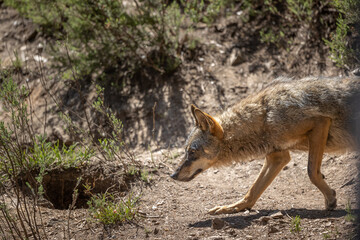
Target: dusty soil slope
x=174 y=210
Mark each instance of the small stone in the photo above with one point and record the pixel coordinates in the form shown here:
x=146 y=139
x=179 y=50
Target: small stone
x=235 y=57
x=276 y=215
x=217 y=223
x=349 y=223
x=38 y=58
x=264 y=220
x=232 y=232
x=356 y=72
x=40 y=46
x=273 y=229
x=249 y=237
x=328 y=224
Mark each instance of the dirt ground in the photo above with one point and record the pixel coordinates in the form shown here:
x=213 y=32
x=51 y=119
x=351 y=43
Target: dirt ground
x=176 y=210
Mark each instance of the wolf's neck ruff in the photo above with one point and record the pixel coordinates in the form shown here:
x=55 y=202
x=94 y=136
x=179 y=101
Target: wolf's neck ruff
x=244 y=133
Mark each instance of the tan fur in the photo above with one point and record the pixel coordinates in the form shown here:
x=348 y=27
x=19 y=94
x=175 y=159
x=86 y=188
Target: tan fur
x=312 y=114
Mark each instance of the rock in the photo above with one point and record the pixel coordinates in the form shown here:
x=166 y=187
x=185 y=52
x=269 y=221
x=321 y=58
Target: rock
x=52 y=221
x=38 y=58
x=264 y=220
x=45 y=203
x=356 y=72
x=276 y=215
x=217 y=223
x=40 y=47
x=16 y=23
x=232 y=232
x=272 y=229
x=236 y=57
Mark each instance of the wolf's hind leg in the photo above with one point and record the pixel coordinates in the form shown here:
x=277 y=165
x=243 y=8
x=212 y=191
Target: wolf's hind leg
x=273 y=164
x=317 y=141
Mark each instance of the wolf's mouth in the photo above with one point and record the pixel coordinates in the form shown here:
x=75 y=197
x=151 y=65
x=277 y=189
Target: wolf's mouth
x=195 y=174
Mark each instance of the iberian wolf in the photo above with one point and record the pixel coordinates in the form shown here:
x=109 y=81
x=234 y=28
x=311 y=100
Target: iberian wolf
x=316 y=115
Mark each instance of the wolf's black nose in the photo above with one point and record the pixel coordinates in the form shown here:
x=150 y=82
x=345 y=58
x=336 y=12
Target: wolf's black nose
x=174 y=175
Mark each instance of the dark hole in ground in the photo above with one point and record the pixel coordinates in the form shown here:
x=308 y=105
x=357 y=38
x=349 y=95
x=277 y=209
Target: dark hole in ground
x=59 y=185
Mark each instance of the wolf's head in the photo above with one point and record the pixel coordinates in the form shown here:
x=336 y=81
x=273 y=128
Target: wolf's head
x=202 y=146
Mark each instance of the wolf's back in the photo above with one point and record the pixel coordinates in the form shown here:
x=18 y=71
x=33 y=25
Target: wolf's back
x=291 y=101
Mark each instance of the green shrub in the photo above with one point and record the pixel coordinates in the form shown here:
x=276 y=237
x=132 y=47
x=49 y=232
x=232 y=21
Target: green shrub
x=27 y=157
x=109 y=210
x=295 y=224
x=282 y=18
x=21 y=149
x=104 y=36
x=347 y=24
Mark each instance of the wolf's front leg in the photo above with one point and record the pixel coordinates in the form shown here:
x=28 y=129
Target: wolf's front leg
x=273 y=164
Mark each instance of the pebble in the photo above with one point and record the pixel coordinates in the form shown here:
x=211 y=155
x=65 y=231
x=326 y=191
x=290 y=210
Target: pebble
x=264 y=220
x=40 y=46
x=38 y=58
x=236 y=58
x=232 y=232
x=277 y=215
x=272 y=229
x=217 y=223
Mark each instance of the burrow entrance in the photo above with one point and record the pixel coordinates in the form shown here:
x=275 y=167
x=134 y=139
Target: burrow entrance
x=59 y=185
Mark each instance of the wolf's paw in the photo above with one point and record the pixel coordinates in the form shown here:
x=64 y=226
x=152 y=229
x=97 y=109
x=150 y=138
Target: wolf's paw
x=331 y=204
x=232 y=208
x=223 y=210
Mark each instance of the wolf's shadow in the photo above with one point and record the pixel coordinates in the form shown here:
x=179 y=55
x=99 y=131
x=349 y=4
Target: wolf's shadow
x=241 y=222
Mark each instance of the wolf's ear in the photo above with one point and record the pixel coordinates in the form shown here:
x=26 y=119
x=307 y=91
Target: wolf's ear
x=206 y=122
